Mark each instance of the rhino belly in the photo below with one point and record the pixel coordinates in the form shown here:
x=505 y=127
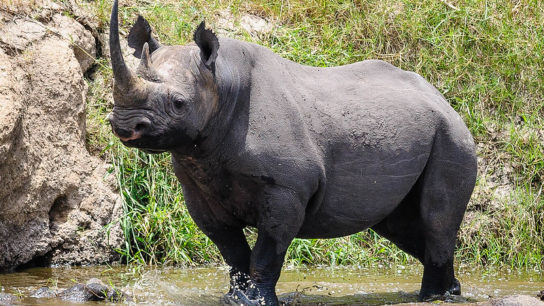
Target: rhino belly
x=360 y=192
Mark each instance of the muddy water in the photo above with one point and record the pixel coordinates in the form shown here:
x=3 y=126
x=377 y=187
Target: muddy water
x=205 y=286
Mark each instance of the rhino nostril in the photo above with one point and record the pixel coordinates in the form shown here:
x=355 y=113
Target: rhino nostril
x=123 y=133
x=140 y=127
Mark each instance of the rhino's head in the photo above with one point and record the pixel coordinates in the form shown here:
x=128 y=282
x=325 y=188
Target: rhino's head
x=168 y=101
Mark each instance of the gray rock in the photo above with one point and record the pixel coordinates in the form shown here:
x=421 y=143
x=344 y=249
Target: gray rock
x=78 y=293
x=56 y=198
x=43 y=292
x=82 y=41
x=95 y=281
x=20 y=33
x=7 y=299
x=95 y=291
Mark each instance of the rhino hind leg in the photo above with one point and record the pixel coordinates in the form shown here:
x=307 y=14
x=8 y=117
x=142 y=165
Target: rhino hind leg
x=444 y=190
x=405 y=228
x=426 y=222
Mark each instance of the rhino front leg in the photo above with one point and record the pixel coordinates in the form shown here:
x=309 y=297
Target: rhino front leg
x=235 y=250
x=265 y=269
x=278 y=226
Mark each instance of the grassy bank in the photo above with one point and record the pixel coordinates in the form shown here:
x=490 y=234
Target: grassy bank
x=485 y=56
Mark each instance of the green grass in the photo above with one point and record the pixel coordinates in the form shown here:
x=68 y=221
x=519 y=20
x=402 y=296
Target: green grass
x=485 y=56
x=157 y=226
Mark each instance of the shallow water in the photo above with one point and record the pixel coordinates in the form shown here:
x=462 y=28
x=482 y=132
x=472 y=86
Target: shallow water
x=205 y=286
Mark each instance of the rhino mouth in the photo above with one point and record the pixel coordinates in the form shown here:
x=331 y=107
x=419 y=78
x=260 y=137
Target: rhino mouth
x=141 y=145
x=152 y=151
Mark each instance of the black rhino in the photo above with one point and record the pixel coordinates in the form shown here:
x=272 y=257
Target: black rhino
x=297 y=151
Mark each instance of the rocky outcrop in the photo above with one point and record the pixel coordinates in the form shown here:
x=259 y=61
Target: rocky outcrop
x=57 y=202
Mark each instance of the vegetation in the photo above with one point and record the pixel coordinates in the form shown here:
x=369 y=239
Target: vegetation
x=485 y=56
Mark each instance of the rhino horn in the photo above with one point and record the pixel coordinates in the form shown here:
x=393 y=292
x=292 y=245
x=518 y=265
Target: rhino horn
x=128 y=88
x=144 y=69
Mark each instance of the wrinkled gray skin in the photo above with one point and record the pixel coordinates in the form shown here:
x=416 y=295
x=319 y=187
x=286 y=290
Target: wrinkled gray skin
x=297 y=151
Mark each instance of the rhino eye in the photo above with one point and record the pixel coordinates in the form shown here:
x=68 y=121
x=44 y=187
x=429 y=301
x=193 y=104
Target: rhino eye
x=178 y=103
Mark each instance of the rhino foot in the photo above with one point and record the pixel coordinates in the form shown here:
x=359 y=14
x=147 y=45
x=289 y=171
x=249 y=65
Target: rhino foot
x=237 y=298
x=455 y=287
x=452 y=295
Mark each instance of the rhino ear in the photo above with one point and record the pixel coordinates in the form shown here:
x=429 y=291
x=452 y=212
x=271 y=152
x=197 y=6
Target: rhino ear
x=139 y=34
x=208 y=43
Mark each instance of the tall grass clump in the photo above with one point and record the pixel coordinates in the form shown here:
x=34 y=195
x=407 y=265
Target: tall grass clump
x=486 y=57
